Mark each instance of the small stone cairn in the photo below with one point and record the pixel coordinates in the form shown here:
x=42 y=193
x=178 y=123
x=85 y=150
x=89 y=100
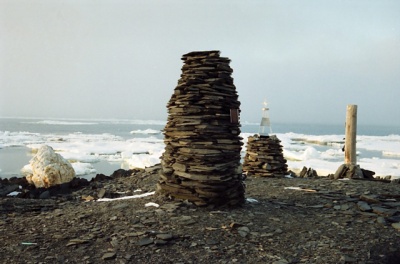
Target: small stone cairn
x=264 y=157
x=201 y=162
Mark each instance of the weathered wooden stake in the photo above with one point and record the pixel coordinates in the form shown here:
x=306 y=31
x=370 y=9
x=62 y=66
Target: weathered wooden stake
x=351 y=133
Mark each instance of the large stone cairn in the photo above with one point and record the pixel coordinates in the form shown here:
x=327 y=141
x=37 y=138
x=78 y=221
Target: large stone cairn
x=201 y=162
x=264 y=157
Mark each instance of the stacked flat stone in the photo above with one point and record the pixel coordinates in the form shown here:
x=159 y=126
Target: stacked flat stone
x=264 y=157
x=201 y=161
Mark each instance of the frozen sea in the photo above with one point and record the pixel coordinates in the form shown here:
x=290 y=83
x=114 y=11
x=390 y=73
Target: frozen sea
x=102 y=146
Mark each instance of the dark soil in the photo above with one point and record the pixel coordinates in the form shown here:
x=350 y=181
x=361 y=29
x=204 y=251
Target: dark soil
x=325 y=221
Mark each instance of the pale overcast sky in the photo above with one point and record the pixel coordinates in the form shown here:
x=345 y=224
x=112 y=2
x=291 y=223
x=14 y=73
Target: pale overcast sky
x=121 y=59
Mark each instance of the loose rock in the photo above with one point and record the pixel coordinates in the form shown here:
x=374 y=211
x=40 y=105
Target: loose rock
x=109 y=255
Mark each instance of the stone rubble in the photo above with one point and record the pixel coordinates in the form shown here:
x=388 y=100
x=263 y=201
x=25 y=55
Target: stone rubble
x=201 y=162
x=308 y=173
x=351 y=171
x=287 y=225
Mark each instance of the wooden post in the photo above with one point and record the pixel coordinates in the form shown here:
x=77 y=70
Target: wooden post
x=351 y=133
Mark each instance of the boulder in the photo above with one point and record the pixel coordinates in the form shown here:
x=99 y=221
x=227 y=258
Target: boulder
x=49 y=169
x=353 y=172
x=6 y=189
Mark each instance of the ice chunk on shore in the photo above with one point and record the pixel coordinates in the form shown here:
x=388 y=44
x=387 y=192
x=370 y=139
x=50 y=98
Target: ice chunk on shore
x=49 y=168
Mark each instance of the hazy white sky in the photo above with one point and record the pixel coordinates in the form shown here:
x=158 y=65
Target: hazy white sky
x=121 y=59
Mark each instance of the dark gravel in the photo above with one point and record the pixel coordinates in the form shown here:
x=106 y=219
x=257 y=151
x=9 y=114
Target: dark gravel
x=323 y=221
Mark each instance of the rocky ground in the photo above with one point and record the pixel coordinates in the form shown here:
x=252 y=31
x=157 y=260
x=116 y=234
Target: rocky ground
x=319 y=221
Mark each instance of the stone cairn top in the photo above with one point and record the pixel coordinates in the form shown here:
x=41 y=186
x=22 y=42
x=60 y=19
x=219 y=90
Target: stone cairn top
x=264 y=157
x=201 y=161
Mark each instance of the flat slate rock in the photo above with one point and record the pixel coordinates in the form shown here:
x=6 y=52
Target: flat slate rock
x=145 y=241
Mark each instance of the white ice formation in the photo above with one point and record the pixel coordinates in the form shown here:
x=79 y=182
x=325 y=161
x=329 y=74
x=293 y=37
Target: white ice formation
x=49 y=168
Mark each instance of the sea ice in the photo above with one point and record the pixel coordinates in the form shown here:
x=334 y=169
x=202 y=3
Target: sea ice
x=60 y=122
x=82 y=168
x=322 y=153
x=146 y=131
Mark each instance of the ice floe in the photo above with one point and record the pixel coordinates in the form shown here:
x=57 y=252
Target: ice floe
x=322 y=153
